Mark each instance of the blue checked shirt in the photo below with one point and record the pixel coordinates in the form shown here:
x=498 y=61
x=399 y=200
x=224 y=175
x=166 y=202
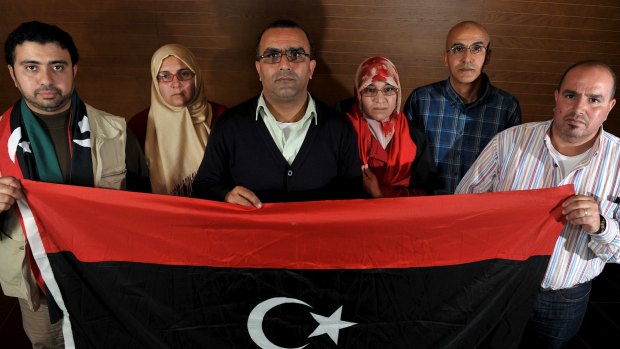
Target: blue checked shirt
x=457 y=132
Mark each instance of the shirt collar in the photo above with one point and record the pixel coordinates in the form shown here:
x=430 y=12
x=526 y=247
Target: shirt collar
x=485 y=83
x=263 y=111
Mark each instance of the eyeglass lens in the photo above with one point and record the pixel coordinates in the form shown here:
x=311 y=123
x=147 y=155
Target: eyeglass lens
x=293 y=55
x=182 y=75
x=373 y=91
x=462 y=49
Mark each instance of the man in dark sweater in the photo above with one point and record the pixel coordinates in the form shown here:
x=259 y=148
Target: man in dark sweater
x=282 y=145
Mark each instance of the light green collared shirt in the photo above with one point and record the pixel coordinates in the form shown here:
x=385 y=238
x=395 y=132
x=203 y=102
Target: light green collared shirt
x=288 y=136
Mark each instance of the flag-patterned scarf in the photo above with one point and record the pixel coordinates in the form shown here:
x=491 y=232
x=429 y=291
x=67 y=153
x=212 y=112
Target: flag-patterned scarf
x=31 y=151
x=31 y=155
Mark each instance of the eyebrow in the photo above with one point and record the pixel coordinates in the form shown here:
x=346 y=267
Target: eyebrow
x=31 y=61
x=271 y=49
x=178 y=70
x=589 y=95
x=472 y=44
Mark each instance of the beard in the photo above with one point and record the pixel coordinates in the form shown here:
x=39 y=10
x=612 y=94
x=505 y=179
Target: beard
x=48 y=105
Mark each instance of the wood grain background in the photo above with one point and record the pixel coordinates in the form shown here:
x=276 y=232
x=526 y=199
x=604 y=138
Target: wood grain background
x=532 y=41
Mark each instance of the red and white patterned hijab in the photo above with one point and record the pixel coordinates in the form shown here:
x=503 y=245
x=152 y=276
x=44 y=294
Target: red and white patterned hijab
x=377 y=69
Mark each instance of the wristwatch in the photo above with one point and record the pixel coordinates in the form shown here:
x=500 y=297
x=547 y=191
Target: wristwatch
x=603 y=225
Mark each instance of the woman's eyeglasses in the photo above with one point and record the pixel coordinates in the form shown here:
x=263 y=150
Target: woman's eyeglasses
x=371 y=91
x=182 y=75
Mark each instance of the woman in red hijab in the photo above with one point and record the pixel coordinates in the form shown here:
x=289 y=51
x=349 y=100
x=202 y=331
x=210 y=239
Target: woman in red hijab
x=395 y=158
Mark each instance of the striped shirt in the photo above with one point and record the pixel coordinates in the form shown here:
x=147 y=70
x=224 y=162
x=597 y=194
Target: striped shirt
x=523 y=158
x=457 y=132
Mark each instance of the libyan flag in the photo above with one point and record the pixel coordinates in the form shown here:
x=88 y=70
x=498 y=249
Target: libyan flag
x=132 y=270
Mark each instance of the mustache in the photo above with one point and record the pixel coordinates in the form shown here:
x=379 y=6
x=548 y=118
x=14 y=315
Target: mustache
x=285 y=74
x=47 y=89
x=467 y=66
x=576 y=117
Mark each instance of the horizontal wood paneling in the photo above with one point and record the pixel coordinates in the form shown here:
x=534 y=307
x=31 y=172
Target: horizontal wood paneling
x=532 y=43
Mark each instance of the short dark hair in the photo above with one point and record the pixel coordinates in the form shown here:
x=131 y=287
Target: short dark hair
x=592 y=63
x=41 y=33
x=283 y=23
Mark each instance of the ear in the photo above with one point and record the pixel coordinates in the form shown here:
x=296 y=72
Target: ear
x=312 y=66
x=445 y=59
x=12 y=73
x=75 y=69
x=257 y=65
x=556 y=96
x=487 y=57
x=611 y=104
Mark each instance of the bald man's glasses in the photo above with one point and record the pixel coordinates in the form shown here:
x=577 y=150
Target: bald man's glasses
x=293 y=55
x=459 y=50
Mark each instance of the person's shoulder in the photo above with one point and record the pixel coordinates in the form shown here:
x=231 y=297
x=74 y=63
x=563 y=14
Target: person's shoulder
x=7 y=112
x=217 y=109
x=243 y=111
x=242 y=108
x=93 y=112
x=345 y=105
x=526 y=130
x=611 y=138
x=102 y=122
x=137 y=123
x=496 y=91
x=435 y=88
x=329 y=115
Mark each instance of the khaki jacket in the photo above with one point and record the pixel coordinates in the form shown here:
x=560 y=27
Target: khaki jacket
x=108 y=137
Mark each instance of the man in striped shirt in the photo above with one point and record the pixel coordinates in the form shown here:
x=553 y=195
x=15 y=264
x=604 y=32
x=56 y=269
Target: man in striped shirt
x=571 y=148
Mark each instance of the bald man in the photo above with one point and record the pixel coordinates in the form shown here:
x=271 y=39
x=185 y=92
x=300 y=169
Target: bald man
x=460 y=115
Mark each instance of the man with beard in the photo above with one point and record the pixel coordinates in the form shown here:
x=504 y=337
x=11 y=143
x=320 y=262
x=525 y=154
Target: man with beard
x=460 y=115
x=50 y=135
x=573 y=149
x=283 y=145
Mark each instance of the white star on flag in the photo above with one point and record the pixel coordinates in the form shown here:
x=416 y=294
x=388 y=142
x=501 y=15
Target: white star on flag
x=330 y=325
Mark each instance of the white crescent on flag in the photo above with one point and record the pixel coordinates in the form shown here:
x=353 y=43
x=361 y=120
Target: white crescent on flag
x=14 y=142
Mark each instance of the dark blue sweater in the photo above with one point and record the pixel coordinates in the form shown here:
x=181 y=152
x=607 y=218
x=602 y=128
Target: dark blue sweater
x=241 y=151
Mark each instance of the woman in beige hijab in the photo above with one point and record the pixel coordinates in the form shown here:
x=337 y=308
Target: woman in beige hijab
x=174 y=130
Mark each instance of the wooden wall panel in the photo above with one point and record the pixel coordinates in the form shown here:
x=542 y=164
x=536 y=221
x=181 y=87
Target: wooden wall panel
x=533 y=42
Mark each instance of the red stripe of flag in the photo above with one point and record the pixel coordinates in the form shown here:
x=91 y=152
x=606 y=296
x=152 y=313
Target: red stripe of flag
x=108 y=225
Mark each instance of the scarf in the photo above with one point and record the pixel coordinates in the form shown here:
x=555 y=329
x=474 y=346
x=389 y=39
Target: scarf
x=31 y=155
x=176 y=137
x=394 y=132
x=32 y=150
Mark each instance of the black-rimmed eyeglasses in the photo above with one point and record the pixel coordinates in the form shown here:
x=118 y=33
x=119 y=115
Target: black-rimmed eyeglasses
x=293 y=55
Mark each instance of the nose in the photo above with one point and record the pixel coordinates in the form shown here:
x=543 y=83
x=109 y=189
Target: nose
x=468 y=56
x=580 y=104
x=284 y=64
x=46 y=77
x=175 y=81
x=380 y=97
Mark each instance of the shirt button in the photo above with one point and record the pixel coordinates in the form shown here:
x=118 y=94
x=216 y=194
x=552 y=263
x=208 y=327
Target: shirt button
x=290 y=173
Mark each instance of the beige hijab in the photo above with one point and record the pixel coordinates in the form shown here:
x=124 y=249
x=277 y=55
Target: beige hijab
x=176 y=137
